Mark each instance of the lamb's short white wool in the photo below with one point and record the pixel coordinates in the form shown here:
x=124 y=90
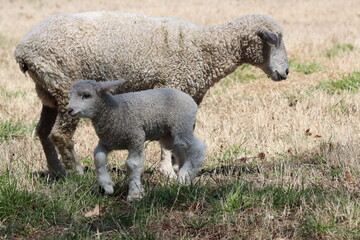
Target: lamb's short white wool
x=127 y=120
x=148 y=52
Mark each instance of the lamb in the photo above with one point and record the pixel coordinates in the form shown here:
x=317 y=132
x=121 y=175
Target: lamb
x=127 y=120
x=148 y=52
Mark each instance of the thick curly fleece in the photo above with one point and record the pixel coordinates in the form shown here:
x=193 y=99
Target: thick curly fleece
x=148 y=52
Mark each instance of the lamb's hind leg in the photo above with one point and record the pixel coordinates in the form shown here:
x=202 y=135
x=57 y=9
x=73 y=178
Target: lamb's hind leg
x=194 y=154
x=43 y=129
x=167 y=162
x=62 y=136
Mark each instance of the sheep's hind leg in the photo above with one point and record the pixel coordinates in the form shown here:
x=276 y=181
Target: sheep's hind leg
x=134 y=165
x=194 y=156
x=62 y=134
x=103 y=177
x=43 y=129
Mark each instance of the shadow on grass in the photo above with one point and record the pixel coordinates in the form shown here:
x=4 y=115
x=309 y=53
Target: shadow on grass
x=21 y=210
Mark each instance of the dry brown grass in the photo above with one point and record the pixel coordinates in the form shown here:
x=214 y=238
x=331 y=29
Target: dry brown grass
x=259 y=115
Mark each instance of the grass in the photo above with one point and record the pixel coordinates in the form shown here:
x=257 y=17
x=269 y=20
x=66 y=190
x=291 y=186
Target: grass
x=3 y=41
x=10 y=129
x=349 y=82
x=11 y=94
x=243 y=74
x=339 y=49
x=169 y=210
x=305 y=67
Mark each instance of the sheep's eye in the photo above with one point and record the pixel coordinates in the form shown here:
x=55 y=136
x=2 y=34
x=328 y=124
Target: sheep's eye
x=86 y=95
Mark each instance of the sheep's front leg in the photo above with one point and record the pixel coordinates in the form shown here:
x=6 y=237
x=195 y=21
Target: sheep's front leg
x=62 y=136
x=134 y=165
x=103 y=177
x=43 y=129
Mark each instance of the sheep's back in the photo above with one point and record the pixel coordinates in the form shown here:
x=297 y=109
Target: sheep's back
x=146 y=51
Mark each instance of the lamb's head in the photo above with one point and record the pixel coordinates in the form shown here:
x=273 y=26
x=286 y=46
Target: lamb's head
x=86 y=97
x=275 y=62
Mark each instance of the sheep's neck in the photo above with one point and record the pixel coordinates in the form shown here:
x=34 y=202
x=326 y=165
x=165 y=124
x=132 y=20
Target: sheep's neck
x=227 y=46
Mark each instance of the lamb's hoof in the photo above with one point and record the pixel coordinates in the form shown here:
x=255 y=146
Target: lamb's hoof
x=176 y=167
x=134 y=197
x=80 y=169
x=169 y=175
x=185 y=180
x=108 y=188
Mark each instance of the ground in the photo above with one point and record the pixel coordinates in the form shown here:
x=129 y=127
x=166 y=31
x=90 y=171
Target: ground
x=282 y=157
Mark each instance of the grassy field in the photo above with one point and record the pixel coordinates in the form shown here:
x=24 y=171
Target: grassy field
x=282 y=157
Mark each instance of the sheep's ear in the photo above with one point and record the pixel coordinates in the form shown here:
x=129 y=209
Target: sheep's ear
x=107 y=86
x=268 y=37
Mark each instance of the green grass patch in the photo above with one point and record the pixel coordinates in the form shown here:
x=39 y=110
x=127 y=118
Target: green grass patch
x=305 y=67
x=243 y=74
x=322 y=222
x=244 y=195
x=338 y=49
x=336 y=173
x=12 y=94
x=230 y=154
x=22 y=210
x=349 y=82
x=316 y=227
x=3 y=41
x=10 y=129
x=59 y=209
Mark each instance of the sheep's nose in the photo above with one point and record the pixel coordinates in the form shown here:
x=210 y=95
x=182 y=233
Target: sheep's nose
x=280 y=77
x=287 y=71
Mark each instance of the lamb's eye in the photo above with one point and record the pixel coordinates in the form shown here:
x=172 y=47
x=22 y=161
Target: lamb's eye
x=86 y=95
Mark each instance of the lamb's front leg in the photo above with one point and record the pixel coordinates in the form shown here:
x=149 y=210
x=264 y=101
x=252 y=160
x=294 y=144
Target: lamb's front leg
x=103 y=177
x=134 y=165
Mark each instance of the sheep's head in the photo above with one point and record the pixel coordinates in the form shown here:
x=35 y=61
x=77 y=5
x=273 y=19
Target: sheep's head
x=86 y=97
x=275 y=63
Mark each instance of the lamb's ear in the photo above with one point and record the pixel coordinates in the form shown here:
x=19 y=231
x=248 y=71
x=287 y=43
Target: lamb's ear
x=107 y=86
x=267 y=36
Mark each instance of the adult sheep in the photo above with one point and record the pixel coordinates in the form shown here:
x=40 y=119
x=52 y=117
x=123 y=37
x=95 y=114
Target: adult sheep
x=149 y=52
